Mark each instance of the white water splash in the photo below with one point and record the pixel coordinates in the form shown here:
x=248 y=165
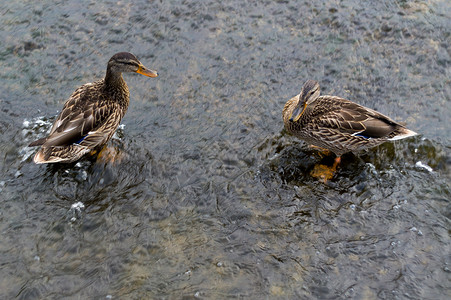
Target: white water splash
x=419 y=164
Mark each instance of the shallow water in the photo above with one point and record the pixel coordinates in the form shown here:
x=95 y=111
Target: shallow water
x=208 y=196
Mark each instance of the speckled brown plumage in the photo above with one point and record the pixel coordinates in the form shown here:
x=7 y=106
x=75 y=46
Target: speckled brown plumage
x=337 y=124
x=91 y=115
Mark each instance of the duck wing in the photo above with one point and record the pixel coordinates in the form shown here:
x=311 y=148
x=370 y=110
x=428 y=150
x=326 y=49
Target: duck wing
x=354 y=119
x=83 y=114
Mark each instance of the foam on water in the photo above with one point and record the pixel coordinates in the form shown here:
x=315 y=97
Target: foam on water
x=419 y=164
x=32 y=130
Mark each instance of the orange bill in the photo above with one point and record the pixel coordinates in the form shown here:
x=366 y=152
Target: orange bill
x=146 y=72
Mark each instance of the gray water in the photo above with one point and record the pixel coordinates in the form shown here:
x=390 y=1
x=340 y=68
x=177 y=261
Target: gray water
x=210 y=198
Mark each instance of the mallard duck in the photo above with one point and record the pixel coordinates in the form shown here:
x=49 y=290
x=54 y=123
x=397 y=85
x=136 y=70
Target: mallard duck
x=337 y=124
x=91 y=114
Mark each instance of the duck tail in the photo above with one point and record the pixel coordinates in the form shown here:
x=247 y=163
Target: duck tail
x=55 y=154
x=403 y=133
x=39 y=157
x=44 y=156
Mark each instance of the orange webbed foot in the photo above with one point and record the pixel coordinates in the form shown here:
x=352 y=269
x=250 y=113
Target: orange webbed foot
x=108 y=155
x=325 y=173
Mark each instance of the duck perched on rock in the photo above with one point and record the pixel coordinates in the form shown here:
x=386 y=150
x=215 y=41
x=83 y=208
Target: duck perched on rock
x=337 y=124
x=91 y=115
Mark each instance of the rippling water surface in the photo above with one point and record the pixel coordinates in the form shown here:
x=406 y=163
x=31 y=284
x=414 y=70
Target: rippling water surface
x=208 y=196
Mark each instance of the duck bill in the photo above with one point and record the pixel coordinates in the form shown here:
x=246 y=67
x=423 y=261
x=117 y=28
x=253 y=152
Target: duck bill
x=146 y=72
x=297 y=112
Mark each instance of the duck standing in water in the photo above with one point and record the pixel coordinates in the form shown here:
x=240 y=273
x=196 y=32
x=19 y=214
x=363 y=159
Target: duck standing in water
x=91 y=115
x=337 y=124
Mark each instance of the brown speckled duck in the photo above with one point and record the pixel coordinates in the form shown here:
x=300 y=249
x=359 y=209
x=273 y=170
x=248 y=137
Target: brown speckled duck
x=337 y=124
x=91 y=115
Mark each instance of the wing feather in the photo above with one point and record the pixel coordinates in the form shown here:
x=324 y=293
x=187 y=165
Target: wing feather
x=82 y=114
x=354 y=119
